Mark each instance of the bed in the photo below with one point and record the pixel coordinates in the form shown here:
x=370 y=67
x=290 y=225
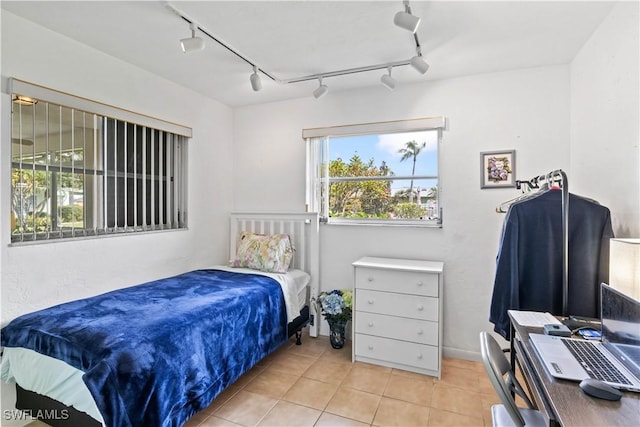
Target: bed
x=159 y=352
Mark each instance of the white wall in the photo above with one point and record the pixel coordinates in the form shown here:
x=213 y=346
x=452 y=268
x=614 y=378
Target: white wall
x=605 y=118
x=525 y=110
x=582 y=118
x=36 y=276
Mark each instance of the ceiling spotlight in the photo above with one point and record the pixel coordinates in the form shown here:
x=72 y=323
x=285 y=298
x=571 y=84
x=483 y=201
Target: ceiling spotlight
x=419 y=64
x=193 y=43
x=405 y=19
x=388 y=81
x=256 y=84
x=321 y=90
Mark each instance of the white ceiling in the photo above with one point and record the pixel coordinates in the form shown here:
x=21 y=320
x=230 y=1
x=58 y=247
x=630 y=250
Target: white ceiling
x=300 y=38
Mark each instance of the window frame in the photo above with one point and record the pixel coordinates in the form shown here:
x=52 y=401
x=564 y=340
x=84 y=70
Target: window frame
x=171 y=137
x=317 y=141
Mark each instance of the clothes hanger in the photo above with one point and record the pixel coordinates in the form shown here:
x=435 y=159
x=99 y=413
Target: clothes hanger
x=526 y=187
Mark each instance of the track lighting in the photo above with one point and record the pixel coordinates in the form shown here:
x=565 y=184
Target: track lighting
x=419 y=64
x=403 y=19
x=388 y=81
x=407 y=21
x=193 y=43
x=321 y=90
x=256 y=84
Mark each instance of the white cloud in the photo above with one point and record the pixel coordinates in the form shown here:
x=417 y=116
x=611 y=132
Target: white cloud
x=392 y=143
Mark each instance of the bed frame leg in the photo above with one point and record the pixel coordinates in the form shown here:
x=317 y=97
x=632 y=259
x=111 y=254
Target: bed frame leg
x=298 y=337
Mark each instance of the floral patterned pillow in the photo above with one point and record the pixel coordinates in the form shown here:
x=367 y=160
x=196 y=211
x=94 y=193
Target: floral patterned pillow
x=270 y=253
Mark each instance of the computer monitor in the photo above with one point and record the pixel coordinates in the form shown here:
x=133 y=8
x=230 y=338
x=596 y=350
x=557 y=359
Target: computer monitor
x=620 y=316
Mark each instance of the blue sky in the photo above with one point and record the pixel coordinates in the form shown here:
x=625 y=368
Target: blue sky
x=385 y=147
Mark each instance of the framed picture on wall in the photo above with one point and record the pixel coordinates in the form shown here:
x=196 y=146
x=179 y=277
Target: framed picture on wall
x=498 y=169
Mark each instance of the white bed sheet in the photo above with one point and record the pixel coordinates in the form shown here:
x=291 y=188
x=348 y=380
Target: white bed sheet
x=48 y=376
x=60 y=381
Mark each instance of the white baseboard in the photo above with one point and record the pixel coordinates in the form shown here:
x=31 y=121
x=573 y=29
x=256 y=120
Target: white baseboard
x=457 y=353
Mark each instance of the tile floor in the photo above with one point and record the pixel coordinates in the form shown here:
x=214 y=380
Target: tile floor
x=316 y=385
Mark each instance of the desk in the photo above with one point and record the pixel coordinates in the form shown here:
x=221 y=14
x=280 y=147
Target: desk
x=563 y=401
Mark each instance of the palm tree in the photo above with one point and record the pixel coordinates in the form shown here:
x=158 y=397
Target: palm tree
x=411 y=150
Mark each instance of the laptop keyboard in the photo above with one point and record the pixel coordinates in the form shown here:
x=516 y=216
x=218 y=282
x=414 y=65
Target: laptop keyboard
x=594 y=362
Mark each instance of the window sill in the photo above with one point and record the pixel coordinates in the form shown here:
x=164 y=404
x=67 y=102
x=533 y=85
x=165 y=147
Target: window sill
x=93 y=237
x=382 y=223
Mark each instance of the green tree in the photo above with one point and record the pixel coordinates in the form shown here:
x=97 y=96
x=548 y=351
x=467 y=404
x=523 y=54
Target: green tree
x=29 y=200
x=408 y=211
x=365 y=199
x=411 y=150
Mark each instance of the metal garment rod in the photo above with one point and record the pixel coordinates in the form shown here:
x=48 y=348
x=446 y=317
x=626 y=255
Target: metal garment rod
x=558 y=176
x=565 y=241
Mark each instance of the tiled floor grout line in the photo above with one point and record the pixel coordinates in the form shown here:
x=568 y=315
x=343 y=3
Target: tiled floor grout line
x=342 y=384
x=381 y=396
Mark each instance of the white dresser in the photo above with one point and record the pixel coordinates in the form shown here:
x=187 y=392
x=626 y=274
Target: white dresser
x=397 y=316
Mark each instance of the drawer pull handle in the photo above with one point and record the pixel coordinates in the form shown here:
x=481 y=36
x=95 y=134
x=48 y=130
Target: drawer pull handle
x=420 y=308
x=370 y=279
x=370 y=301
x=420 y=357
x=370 y=324
x=419 y=283
x=370 y=347
x=420 y=332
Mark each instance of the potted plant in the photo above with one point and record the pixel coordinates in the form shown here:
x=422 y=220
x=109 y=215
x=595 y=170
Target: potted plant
x=336 y=307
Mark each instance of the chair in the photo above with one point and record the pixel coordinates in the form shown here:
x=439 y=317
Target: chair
x=505 y=383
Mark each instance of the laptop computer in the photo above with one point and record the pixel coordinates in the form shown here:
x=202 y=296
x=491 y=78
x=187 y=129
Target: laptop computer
x=615 y=359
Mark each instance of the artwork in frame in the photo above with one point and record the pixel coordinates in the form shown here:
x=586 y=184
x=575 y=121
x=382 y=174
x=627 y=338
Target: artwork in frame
x=498 y=169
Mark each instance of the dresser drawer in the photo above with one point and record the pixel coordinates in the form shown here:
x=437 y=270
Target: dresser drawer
x=401 y=328
x=415 y=307
x=400 y=352
x=406 y=282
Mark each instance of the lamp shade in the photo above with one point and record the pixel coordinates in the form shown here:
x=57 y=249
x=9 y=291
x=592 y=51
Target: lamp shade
x=192 y=44
x=321 y=90
x=256 y=84
x=388 y=81
x=407 y=21
x=419 y=64
x=624 y=266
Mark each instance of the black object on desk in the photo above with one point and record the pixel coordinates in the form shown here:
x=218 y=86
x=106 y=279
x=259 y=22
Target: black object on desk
x=600 y=389
x=575 y=323
x=557 y=330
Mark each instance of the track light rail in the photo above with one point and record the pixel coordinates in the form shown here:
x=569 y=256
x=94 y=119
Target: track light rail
x=274 y=78
x=347 y=71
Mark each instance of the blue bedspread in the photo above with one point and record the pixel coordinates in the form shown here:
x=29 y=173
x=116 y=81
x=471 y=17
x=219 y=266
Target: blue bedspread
x=156 y=353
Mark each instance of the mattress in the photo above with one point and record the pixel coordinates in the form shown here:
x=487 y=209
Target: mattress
x=60 y=381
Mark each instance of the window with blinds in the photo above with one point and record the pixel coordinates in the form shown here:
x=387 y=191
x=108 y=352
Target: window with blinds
x=77 y=173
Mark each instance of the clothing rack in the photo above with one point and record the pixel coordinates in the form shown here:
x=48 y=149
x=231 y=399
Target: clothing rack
x=557 y=177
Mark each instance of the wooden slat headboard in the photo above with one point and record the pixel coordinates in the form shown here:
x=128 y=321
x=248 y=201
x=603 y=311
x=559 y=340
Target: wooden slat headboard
x=304 y=231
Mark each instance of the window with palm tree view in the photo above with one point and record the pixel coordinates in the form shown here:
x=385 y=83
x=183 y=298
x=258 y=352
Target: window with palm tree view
x=380 y=178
